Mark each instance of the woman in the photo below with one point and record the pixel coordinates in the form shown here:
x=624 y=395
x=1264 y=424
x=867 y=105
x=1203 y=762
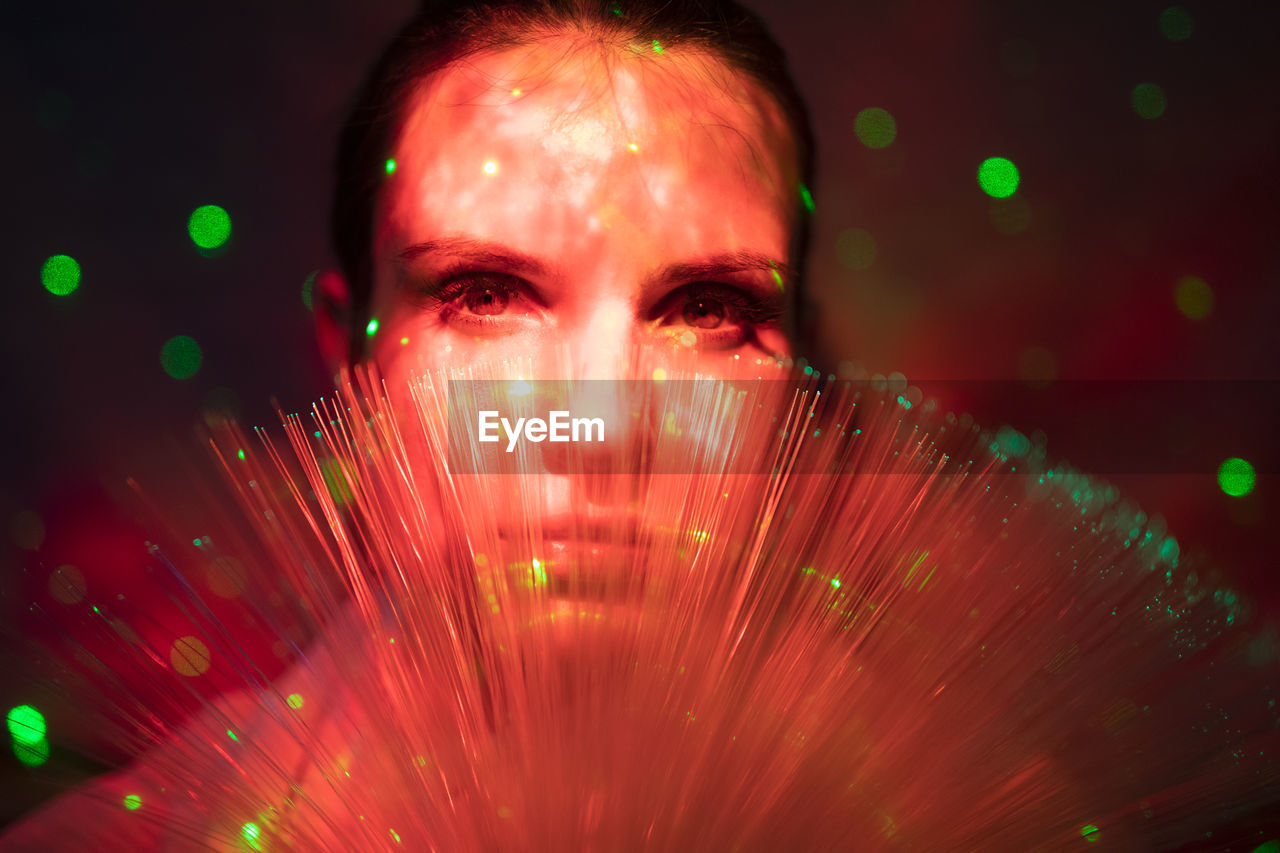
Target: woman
x=562 y=186
x=560 y=181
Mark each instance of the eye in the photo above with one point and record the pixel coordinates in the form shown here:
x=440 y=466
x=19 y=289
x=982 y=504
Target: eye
x=721 y=316
x=478 y=301
x=704 y=312
x=486 y=298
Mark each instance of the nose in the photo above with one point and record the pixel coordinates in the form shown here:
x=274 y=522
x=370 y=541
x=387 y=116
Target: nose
x=604 y=393
x=600 y=350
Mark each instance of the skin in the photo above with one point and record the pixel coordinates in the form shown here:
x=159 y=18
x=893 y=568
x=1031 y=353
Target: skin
x=569 y=203
x=607 y=170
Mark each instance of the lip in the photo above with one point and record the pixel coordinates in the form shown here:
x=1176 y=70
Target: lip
x=600 y=555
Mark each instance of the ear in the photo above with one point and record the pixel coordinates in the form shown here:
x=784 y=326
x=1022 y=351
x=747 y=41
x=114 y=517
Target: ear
x=332 y=309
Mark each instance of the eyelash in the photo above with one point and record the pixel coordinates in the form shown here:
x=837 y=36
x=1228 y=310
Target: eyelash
x=751 y=310
x=442 y=293
x=749 y=314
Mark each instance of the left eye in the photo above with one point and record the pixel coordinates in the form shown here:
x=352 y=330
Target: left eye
x=717 y=307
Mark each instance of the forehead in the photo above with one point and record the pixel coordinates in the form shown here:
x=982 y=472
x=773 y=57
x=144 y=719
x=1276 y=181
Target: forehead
x=560 y=145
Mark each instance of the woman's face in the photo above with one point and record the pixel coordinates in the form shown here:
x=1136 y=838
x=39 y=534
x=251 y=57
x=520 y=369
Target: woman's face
x=549 y=198
x=563 y=206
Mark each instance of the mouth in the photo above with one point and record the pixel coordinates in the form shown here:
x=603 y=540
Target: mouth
x=582 y=556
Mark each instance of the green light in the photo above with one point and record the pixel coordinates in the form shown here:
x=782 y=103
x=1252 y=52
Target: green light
x=372 y=328
x=308 y=288
x=240 y=453
x=295 y=701
x=1272 y=846
x=132 y=802
x=232 y=735
x=26 y=725
x=336 y=481
x=1176 y=23
x=835 y=583
x=181 y=357
x=1194 y=297
x=1010 y=442
x=806 y=198
x=657 y=48
x=1236 y=477
x=856 y=249
x=394 y=836
x=32 y=754
x=617 y=10
x=251 y=832
x=875 y=127
x=391 y=166
x=998 y=177
x=209 y=226
x=1089 y=832
x=60 y=275
x=1148 y=100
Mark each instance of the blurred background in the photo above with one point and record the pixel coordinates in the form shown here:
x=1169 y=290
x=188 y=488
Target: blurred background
x=1062 y=217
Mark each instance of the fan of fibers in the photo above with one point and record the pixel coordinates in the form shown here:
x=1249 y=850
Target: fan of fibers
x=823 y=617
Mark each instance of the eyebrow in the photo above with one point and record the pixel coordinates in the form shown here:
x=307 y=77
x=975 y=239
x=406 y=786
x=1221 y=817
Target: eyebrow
x=487 y=253
x=728 y=263
x=476 y=251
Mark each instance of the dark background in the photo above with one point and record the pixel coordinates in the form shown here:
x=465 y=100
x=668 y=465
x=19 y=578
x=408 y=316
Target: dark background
x=120 y=120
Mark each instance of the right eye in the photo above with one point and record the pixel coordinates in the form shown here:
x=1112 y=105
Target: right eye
x=479 y=301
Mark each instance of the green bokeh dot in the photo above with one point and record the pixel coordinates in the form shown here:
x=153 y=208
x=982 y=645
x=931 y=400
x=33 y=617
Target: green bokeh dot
x=1176 y=23
x=60 y=275
x=308 y=289
x=856 y=249
x=998 y=177
x=1194 y=297
x=26 y=724
x=132 y=802
x=251 y=833
x=875 y=127
x=209 y=226
x=1236 y=477
x=32 y=754
x=1148 y=100
x=181 y=357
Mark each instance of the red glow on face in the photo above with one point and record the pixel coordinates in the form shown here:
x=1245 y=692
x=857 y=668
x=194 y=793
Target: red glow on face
x=599 y=208
x=605 y=208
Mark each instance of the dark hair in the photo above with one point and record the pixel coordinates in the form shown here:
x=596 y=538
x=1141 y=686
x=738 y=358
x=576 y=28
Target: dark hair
x=443 y=32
